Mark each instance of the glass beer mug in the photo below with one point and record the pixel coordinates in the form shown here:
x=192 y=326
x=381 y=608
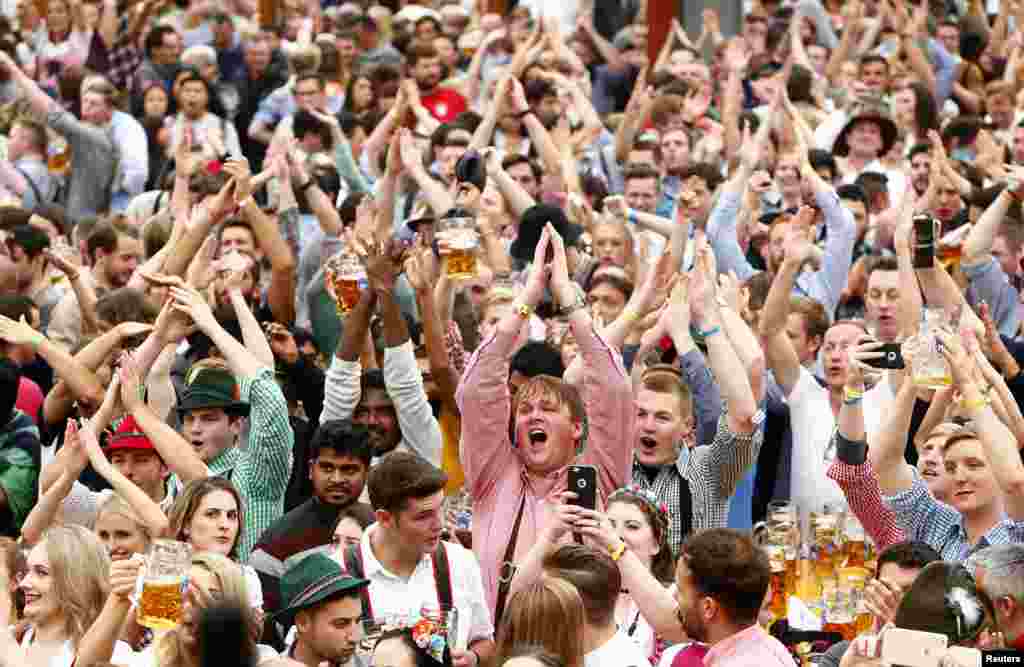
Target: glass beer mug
x=163 y=584
x=345 y=279
x=461 y=237
x=929 y=367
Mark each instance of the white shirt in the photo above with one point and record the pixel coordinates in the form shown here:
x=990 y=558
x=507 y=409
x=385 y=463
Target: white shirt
x=619 y=651
x=134 y=148
x=122 y=652
x=394 y=596
x=813 y=426
x=878 y=401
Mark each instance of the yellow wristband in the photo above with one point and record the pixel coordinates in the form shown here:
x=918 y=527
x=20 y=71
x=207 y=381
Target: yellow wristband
x=524 y=311
x=974 y=405
x=852 y=394
x=617 y=552
x=630 y=315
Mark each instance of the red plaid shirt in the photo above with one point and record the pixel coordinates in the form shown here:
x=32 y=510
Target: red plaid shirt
x=864 y=494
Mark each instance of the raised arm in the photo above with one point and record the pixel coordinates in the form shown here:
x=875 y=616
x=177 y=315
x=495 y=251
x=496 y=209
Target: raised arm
x=437 y=196
x=149 y=512
x=887 y=453
x=176 y=452
x=779 y=352
x=242 y=362
x=39 y=101
x=421 y=270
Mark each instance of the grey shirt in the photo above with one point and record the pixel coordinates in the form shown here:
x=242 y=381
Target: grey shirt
x=37 y=174
x=94 y=158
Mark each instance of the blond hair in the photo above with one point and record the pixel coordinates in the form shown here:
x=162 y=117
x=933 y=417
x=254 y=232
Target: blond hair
x=80 y=570
x=170 y=650
x=115 y=504
x=539 y=615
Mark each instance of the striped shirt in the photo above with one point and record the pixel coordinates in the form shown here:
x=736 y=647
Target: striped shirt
x=713 y=471
x=938 y=525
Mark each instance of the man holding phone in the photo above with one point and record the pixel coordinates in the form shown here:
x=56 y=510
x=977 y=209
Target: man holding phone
x=511 y=483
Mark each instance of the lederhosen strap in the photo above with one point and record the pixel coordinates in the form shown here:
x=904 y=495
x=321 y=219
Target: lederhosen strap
x=508 y=566
x=685 y=507
x=442 y=578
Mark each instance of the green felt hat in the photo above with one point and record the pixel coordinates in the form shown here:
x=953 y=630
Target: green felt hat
x=207 y=387
x=312 y=580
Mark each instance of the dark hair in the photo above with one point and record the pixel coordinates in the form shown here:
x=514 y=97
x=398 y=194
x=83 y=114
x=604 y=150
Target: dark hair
x=909 y=555
x=30 y=239
x=155 y=38
x=883 y=263
x=663 y=565
x=819 y=158
x=873 y=58
x=10 y=378
x=917 y=149
x=347 y=210
x=709 y=173
x=800 y=84
x=304 y=123
x=104 y=237
x=16 y=307
x=538 y=89
x=126 y=304
x=926 y=110
x=344 y=437
x=350 y=86
x=400 y=476
x=519 y=158
x=314 y=76
x=638 y=170
x=929 y=606
x=613 y=280
x=418 y=51
x=594 y=574
x=853 y=192
x=726 y=565
x=537 y=358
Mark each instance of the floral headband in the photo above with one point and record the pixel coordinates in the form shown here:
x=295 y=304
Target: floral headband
x=658 y=507
x=430 y=635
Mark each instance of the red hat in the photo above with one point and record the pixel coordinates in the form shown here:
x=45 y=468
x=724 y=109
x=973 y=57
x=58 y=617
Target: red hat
x=129 y=436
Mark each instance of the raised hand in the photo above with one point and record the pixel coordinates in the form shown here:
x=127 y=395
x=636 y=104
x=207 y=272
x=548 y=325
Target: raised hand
x=411 y=154
x=384 y=264
x=562 y=286
x=188 y=301
x=421 y=269
x=232 y=268
x=238 y=170
x=124 y=574
x=132 y=386
x=540 y=272
x=616 y=205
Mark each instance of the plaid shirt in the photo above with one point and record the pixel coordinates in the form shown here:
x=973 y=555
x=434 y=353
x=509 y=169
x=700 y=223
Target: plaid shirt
x=261 y=471
x=713 y=471
x=123 y=58
x=935 y=523
x=863 y=493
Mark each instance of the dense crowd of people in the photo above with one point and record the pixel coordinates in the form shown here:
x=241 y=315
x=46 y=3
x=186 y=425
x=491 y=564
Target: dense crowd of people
x=441 y=333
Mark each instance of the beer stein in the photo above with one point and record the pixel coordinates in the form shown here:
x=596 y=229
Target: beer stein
x=928 y=366
x=462 y=239
x=163 y=585
x=344 y=279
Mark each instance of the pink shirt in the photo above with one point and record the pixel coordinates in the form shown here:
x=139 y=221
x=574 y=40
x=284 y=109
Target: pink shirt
x=752 y=647
x=495 y=474
x=30 y=398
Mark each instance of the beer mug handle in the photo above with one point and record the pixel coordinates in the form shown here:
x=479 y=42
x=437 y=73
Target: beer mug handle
x=139 y=582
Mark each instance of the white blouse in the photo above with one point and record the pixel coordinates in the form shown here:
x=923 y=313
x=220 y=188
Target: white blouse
x=122 y=652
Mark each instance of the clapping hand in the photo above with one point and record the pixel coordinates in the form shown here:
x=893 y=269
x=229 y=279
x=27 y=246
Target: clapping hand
x=191 y=303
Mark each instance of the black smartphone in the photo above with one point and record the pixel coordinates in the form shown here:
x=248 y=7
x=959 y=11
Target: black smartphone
x=583 y=482
x=924 y=244
x=891 y=359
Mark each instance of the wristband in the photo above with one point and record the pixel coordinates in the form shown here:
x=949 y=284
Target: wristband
x=36 y=341
x=852 y=395
x=617 y=552
x=524 y=311
x=973 y=405
x=710 y=332
x=630 y=315
x=631 y=215
x=849 y=451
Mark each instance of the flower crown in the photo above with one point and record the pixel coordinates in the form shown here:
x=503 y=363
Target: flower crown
x=659 y=507
x=430 y=635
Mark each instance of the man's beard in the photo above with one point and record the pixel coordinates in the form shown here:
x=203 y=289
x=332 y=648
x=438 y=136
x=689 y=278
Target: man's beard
x=381 y=441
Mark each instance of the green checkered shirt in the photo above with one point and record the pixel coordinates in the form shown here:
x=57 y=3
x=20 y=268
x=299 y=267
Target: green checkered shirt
x=261 y=471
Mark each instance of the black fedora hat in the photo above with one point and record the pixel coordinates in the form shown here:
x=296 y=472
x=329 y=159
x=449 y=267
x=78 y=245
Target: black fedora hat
x=872 y=109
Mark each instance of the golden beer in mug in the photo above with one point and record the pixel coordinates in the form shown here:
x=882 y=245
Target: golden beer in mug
x=346 y=278
x=461 y=238
x=163 y=584
x=161 y=605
